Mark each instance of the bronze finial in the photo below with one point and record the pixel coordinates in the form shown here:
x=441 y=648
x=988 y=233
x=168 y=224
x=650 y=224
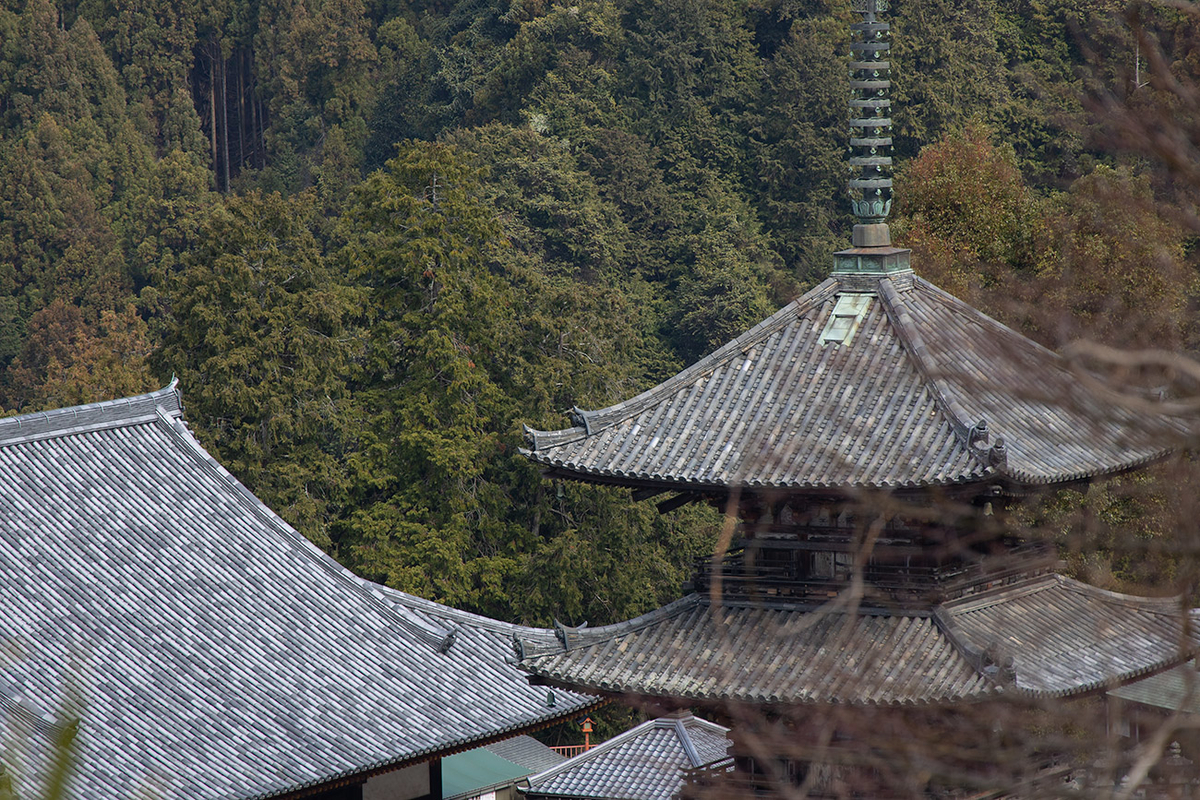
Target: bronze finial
x=870 y=124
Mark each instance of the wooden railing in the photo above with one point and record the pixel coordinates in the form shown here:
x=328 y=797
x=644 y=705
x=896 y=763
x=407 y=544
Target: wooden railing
x=929 y=583
x=570 y=750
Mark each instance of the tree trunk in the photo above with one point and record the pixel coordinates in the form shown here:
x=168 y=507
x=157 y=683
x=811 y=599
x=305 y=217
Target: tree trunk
x=225 y=116
x=212 y=112
x=241 y=93
x=262 y=132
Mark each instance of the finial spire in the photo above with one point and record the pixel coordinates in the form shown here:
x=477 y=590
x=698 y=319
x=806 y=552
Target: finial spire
x=870 y=122
x=870 y=186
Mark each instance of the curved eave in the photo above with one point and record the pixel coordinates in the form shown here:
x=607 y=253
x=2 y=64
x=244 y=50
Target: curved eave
x=1095 y=687
x=1069 y=639
x=559 y=469
x=713 y=700
x=1015 y=481
x=680 y=653
x=1022 y=478
x=543 y=440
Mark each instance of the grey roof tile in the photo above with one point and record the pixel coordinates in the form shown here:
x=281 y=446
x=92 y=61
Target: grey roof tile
x=766 y=655
x=216 y=652
x=643 y=763
x=1066 y=638
x=1176 y=689
x=893 y=407
x=528 y=752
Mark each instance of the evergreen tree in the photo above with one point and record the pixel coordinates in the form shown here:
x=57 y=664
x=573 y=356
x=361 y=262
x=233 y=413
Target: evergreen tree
x=256 y=328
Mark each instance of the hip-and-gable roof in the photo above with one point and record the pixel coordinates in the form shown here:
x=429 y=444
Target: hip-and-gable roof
x=210 y=650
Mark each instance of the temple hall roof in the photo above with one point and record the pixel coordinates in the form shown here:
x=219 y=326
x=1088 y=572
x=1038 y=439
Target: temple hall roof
x=878 y=381
x=209 y=649
x=1063 y=638
x=643 y=763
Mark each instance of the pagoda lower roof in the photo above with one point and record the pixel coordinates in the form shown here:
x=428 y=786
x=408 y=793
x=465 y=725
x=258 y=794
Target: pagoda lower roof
x=792 y=404
x=1063 y=638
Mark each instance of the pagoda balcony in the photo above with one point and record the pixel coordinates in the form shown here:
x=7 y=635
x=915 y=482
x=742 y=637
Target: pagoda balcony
x=890 y=577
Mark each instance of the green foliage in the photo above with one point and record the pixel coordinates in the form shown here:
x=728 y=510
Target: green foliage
x=947 y=68
x=495 y=300
x=584 y=197
x=255 y=327
x=966 y=210
x=799 y=145
x=418 y=237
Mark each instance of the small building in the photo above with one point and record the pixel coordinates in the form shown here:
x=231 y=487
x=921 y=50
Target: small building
x=491 y=772
x=1138 y=710
x=207 y=649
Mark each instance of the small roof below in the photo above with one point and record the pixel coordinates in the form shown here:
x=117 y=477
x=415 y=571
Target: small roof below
x=892 y=398
x=1065 y=638
x=1176 y=689
x=215 y=652
x=528 y=752
x=471 y=773
x=643 y=763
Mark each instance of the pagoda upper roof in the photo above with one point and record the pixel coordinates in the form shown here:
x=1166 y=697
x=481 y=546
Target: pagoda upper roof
x=1046 y=637
x=208 y=649
x=882 y=382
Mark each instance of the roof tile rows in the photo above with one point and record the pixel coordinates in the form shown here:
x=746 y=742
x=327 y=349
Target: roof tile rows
x=892 y=407
x=1066 y=637
x=769 y=656
x=643 y=763
x=1176 y=689
x=215 y=652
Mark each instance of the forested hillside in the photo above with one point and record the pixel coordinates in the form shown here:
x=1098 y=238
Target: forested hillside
x=373 y=239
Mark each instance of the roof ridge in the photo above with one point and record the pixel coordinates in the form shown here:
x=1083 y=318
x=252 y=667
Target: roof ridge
x=116 y=413
x=598 y=419
x=987 y=599
x=412 y=601
x=978 y=316
x=914 y=345
x=685 y=739
x=582 y=635
x=300 y=543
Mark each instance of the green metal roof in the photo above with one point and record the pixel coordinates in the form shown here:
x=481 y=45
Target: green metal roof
x=476 y=769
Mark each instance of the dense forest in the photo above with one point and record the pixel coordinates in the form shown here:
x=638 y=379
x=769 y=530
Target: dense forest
x=374 y=239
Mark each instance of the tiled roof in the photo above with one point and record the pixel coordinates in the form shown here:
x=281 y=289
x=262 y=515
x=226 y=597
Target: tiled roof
x=643 y=763
x=1064 y=637
x=216 y=652
x=528 y=752
x=1176 y=689
x=893 y=406
x=769 y=656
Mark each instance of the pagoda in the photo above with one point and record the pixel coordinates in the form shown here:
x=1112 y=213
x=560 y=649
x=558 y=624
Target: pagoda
x=865 y=443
